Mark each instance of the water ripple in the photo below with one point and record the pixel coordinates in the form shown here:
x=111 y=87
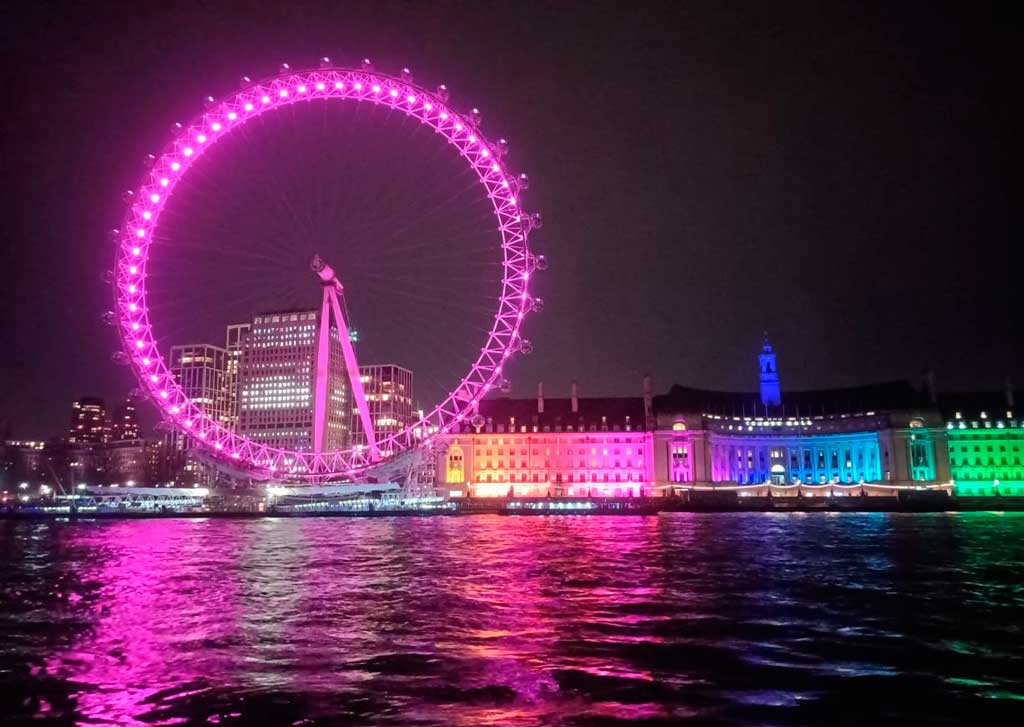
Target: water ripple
x=709 y=619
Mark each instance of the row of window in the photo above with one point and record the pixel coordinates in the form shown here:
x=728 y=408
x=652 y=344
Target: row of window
x=559 y=478
x=570 y=451
x=981 y=461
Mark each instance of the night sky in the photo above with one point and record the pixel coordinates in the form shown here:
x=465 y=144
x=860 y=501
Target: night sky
x=836 y=175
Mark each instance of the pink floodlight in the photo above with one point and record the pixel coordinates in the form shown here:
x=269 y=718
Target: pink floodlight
x=193 y=139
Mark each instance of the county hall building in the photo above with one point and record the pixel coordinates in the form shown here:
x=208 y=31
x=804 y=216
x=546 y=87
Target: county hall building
x=863 y=440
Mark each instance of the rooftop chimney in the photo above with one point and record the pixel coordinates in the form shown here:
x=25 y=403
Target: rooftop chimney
x=928 y=377
x=1008 y=390
x=575 y=399
x=540 y=397
x=648 y=402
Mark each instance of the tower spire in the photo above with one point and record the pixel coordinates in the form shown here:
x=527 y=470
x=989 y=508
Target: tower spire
x=771 y=393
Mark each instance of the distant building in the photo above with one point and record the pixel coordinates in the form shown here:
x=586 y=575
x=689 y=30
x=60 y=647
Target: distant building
x=26 y=462
x=160 y=461
x=233 y=345
x=389 y=397
x=201 y=370
x=88 y=421
x=277 y=377
x=84 y=462
x=125 y=423
x=126 y=462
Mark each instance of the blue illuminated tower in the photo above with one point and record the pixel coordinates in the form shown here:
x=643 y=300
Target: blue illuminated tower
x=771 y=394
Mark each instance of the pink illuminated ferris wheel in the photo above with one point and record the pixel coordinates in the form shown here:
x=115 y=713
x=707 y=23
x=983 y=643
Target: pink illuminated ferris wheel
x=137 y=313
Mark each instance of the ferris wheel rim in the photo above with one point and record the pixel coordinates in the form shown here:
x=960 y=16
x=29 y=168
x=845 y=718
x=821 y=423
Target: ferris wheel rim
x=233 y=111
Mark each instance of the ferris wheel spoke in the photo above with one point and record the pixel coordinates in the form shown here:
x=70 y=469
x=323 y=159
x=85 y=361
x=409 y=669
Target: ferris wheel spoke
x=240 y=246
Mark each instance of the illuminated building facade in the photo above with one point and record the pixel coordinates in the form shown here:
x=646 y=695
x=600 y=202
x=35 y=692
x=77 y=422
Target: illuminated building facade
x=877 y=436
x=389 y=395
x=986 y=443
x=884 y=433
x=276 y=379
x=88 y=421
x=201 y=371
x=887 y=433
x=544 y=446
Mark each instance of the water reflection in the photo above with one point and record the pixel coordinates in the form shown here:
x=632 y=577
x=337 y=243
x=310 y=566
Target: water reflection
x=729 y=618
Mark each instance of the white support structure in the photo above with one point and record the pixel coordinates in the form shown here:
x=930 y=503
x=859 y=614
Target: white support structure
x=332 y=288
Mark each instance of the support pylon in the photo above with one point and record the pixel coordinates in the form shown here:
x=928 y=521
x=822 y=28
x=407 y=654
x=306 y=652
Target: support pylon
x=332 y=288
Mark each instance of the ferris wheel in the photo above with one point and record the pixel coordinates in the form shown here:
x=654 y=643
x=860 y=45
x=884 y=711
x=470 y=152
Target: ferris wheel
x=137 y=313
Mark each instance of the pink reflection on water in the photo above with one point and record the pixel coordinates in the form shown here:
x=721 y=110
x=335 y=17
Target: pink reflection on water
x=161 y=617
x=468 y=620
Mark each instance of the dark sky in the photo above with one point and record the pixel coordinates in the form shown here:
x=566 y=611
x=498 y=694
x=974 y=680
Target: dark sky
x=838 y=175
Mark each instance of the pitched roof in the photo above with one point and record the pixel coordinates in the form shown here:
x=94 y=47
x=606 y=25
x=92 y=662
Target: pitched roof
x=616 y=411
x=885 y=396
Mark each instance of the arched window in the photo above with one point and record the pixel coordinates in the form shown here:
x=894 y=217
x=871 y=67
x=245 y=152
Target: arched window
x=455 y=465
x=679 y=426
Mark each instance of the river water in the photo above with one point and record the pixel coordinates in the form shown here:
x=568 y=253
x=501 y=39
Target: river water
x=766 y=619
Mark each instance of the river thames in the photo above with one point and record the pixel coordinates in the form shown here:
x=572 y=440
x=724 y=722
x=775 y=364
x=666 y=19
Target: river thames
x=759 y=619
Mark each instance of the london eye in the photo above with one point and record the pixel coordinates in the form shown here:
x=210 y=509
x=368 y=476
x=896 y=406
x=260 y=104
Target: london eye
x=455 y=268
